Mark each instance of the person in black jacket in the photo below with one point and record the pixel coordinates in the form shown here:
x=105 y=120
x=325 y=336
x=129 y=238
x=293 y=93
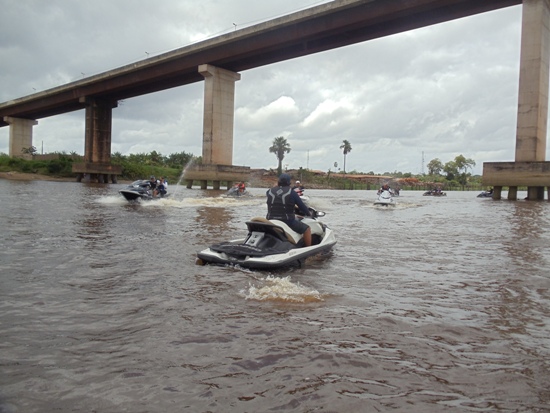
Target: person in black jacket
x=281 y=200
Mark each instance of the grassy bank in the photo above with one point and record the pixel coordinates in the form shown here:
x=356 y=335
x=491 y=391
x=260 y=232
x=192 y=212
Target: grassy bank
x=60 y=166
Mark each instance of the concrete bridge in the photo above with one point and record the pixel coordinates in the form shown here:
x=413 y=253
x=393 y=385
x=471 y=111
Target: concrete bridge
x=218 y=62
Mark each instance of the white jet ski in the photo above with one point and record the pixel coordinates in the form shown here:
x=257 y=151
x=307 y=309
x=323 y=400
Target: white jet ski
x=270 y=244
x=385 y=198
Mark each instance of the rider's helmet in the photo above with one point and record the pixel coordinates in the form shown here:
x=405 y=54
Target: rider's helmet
x=284 y=180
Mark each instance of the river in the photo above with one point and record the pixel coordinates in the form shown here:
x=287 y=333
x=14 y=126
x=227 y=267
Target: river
x=435 y=305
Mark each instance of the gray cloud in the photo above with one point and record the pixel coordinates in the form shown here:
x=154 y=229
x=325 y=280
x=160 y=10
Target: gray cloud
x=444 y=90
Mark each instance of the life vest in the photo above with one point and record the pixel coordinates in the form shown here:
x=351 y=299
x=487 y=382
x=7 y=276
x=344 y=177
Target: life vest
x=280 y=203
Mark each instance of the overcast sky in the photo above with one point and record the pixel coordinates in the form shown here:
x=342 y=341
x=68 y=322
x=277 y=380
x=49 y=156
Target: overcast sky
x=436 y=92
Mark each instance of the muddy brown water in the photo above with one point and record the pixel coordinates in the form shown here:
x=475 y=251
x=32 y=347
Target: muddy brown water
x=436 y=305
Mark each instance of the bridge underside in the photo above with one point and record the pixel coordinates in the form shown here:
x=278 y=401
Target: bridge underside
x=216 y=174
x=533 y=175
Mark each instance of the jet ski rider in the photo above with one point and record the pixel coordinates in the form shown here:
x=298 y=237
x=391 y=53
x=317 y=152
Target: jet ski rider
x=281 y=200
x=152 y=184
x=298 y=188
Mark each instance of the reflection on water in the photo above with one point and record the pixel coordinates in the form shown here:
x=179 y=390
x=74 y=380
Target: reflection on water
x=214 y=220
x=436 y=305
x=527 y=243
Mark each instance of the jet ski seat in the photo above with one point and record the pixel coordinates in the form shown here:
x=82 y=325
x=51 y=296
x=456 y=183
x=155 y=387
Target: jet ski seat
x=277 y=227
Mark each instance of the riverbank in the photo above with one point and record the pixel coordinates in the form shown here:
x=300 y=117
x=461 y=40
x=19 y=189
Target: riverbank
x=256 y=179
x=21 y=176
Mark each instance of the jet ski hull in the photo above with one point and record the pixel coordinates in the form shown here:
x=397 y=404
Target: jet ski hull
x=385 y=199
x=266 y=248
x=131 y=195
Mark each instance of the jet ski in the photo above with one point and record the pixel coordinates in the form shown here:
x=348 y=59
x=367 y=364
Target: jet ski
x=270 y=244
x=235 y=192
x=139 y=190
x=486 y=194
x=434 y=192
x=385 y=198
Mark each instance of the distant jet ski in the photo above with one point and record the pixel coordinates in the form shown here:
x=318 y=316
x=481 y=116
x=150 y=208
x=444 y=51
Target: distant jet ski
x=486 y=194
x=385 y=198
x=434 y=192
x=235 y=192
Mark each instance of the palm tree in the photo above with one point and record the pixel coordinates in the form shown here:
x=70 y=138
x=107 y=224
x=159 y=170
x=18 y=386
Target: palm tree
x=346 y=146
x=279 y=148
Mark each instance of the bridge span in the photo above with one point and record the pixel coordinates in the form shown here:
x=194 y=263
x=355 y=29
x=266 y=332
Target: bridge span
x=217 y=61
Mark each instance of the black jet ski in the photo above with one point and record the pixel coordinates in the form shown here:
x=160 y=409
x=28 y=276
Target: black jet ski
x=434 y=192
x=270 y=244
x=139 y=190
x=486 y=194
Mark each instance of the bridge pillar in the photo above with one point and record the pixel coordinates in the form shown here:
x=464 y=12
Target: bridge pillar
x=219 y=114
x=20 y=136
x=533 y=82
x=529 y=168
x=217 y=136
x=533 y=87
x=97 y=143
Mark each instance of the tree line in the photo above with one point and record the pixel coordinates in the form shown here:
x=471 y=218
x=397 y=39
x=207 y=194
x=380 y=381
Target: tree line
x=136 y=166
x=454 y=172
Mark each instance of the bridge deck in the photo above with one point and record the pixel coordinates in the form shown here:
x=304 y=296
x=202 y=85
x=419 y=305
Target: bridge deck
x=328 y=26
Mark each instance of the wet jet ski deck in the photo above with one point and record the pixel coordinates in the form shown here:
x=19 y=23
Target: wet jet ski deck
x=269 y=245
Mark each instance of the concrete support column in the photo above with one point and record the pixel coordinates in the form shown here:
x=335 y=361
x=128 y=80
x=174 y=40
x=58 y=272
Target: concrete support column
x=219 y=113
x=97 y=146
x=497 y=192
x=20 y=135
x=97 y=143
x=530 y=167
x=533 y=82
